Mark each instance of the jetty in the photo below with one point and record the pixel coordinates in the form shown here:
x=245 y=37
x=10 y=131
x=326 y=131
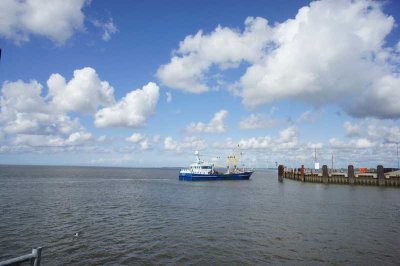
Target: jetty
x=379 y=177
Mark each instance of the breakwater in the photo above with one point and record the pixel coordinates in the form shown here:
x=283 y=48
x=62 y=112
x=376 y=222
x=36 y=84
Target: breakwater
x=325 y=176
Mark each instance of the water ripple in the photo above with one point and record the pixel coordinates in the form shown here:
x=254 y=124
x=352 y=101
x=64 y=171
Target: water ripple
x=146 y=216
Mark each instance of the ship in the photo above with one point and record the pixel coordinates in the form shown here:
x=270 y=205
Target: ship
x=204 y=171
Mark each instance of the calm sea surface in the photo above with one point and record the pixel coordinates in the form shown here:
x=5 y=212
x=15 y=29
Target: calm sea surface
x=146 y=216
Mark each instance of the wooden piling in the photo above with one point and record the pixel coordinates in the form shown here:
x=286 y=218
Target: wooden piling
x=280 y=172
x=302 y=174
x=380 y=175
x=350 y=174
x=325 y=174
x=368 y=178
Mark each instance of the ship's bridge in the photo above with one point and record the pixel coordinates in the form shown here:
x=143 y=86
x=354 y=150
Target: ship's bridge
x=199 y=167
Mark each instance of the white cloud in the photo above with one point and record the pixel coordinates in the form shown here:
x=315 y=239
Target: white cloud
x=144 y=143
x=352 y=130
x=132 y=110
x=85 y=92
x=381 y=100
x=255 y=121
x=288 y=135
x=102 y=138
x=135 y=138
x=188 y=144
x=38 y=140
x=308 y=64
x=216 y=124
x=109 y=28
x=287 y=138
x=255 y=143
x=359 y=143
x=30 y=119
x=76 y=138
x=56 y=20
x=331 y=52
x=224 y=47
x=373 y=130
x=309 y=116
x=170 y=143
x=169 y=97
x=156 y=138
x=25 y=111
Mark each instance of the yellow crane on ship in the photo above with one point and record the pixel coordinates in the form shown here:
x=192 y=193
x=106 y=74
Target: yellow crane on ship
x=233 y=160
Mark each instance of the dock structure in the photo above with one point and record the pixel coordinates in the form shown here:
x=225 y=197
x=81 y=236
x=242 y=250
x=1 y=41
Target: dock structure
x=378 y=178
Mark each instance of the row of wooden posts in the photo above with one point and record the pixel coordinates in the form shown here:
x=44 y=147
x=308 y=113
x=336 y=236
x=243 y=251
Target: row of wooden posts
x=378 y=179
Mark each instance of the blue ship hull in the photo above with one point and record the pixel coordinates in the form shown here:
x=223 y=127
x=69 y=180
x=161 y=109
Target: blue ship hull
x=214 y=177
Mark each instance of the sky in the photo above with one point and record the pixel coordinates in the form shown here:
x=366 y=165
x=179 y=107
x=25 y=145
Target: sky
x=147 y=83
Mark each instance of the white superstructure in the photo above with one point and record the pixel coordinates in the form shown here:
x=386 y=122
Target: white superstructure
x=199 y=167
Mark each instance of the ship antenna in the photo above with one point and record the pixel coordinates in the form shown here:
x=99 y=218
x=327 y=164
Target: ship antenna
x=197 y=155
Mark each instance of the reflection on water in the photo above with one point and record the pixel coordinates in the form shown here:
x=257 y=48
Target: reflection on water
x=141 y=216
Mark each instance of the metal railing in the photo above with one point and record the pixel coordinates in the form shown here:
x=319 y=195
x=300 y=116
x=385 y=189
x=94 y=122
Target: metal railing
x=33 y=258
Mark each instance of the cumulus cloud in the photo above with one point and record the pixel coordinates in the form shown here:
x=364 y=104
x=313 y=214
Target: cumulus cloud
x=330 y=52
x=256 y=121
x=287 y=138
x=30 y=120
x=255 y=143
x=288 y=135
x=144 y=142
x=56 y=20
x=308 y=63
x=359 y=143
x=109 y=28
x=373 y=130
x=225 y=47
x=309 y=116
x=132 y=110
x=170 y=143
x=286 y=147
x=187 y=144
x=215 y=125
x=135 y=138
x=381 y=100
x=85 y=92
x=352 y=130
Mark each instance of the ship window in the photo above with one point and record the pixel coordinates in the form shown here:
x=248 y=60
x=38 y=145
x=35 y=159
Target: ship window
x=206 y=167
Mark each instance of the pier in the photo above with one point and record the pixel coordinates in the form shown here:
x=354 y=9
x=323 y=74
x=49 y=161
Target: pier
x=327 y=176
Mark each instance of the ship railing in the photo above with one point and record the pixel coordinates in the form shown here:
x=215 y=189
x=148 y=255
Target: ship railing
x=33 y=258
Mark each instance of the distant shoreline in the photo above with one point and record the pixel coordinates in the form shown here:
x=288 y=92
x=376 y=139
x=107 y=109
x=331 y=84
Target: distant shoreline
x=108 y=166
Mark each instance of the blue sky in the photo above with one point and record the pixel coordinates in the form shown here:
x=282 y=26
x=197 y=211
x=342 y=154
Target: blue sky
x=146 y=83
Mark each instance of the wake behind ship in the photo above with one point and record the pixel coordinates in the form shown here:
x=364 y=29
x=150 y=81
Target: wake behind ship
x=203 y=171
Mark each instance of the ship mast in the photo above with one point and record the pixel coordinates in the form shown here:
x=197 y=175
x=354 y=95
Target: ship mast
x=197 y=156
x=233 y=159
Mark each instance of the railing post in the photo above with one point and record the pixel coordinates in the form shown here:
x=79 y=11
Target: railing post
x=380 y=175
x=37 y=252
